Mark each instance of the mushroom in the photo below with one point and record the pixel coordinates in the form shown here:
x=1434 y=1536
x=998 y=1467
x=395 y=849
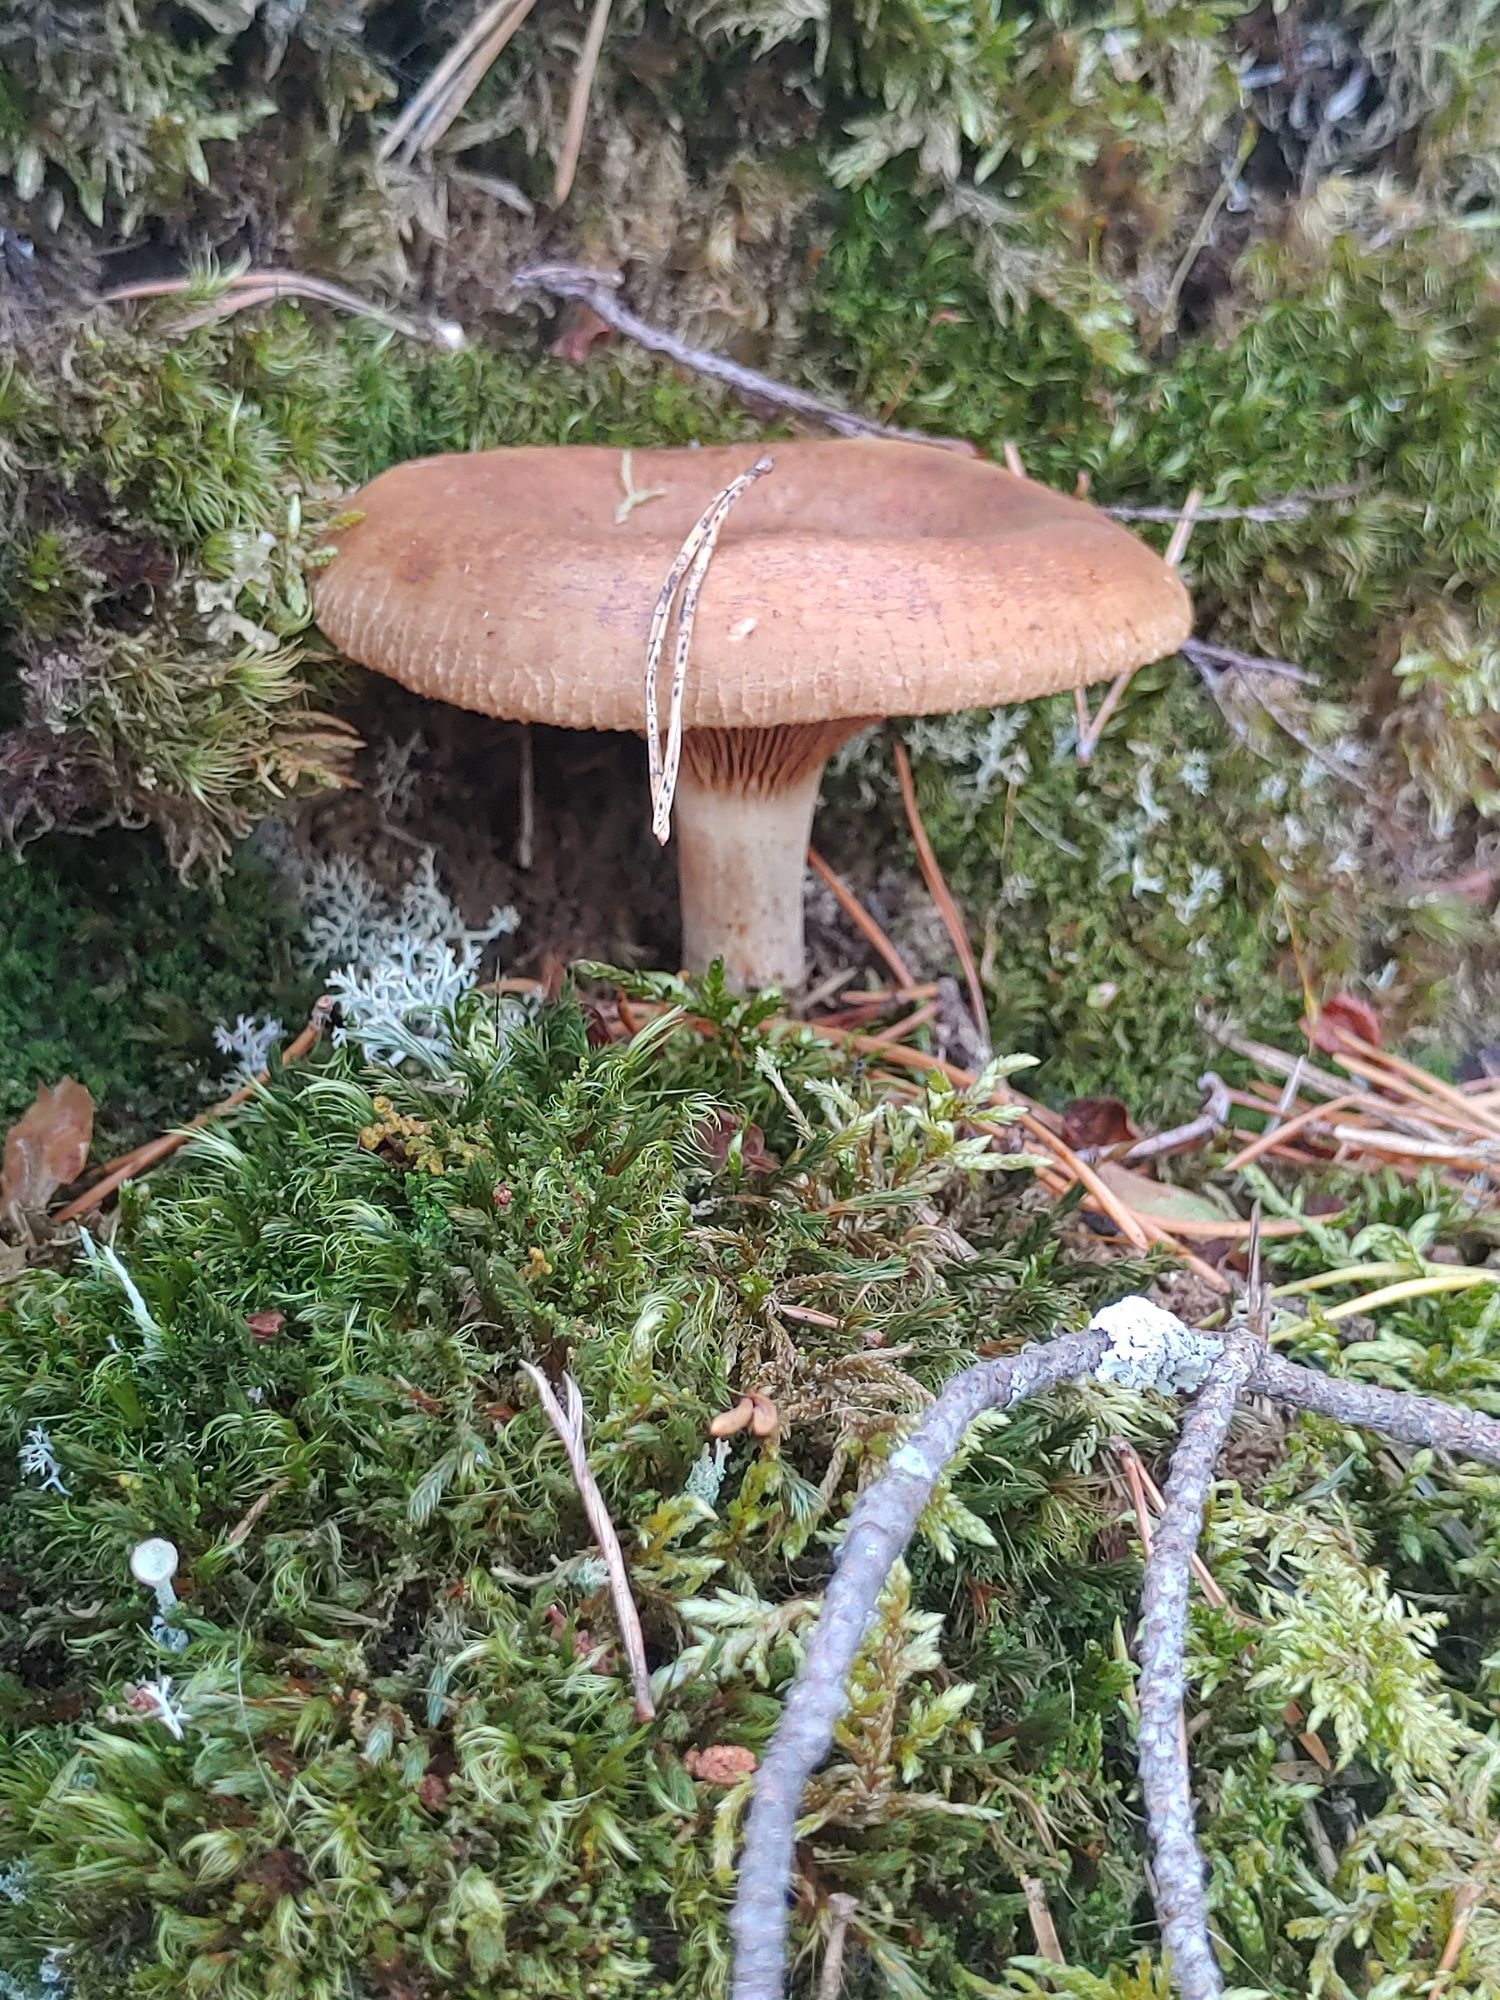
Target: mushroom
x=859 y=579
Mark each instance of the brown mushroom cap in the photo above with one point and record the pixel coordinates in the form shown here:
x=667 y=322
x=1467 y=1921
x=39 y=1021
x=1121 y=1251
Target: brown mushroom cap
x=858 y=578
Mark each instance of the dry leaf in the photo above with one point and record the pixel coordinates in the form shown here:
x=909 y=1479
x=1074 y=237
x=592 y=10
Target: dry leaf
x=47 y=1147
x=1345 y=1014
x=266 y=1325
x=582 y=331
x=1097 y=1122
x=1159 y=1199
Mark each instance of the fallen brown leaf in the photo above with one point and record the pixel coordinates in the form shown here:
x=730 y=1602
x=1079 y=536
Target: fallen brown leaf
x=47 y=1147
x=1345 y=1014
x=1097 y=1122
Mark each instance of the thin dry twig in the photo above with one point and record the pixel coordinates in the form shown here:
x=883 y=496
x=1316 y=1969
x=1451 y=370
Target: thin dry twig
x=689 y=567
x=600 y=290
x=1176 y=549
x=578 y=102
x=940 y=893
x=526 y=803
x=861 y=919
x=1181 y=1901
x=569 y=1426
x=1293 y=507
x=1211 y=1119
x=255 y=286
x=253 y=1512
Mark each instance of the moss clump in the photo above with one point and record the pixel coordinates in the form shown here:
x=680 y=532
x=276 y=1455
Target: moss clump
x=398 y=1752
x=114 y=973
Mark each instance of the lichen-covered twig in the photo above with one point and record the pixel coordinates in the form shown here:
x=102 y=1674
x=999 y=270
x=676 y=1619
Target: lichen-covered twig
x=1136 y=1344
x=569 y=1425
x=600 y=291
x=1166 y=1785
x=1395 y=1413
x=880 y=1526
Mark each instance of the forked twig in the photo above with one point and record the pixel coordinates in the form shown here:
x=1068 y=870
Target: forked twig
x=569 y=1425
x=689 y=567
x=881 y=1524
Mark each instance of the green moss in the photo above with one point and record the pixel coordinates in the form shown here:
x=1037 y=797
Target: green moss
x=113 y=973
x=409 y=1754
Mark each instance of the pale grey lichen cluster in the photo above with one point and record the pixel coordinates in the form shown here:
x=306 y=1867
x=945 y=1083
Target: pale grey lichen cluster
x=1150 y=1348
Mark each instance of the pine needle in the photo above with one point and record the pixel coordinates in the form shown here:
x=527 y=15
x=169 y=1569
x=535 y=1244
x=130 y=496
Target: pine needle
x=578 y=102
x=689 y=567
x=938 y=889
x=569 y=1425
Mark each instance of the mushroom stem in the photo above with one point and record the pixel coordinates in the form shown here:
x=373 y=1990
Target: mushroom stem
x=741 y=859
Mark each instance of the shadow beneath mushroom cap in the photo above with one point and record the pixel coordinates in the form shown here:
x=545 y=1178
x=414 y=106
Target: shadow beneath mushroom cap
x=598 y=885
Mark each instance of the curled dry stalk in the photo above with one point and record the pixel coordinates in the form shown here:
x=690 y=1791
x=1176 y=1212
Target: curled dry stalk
x=689 y=567
x=885 y=1517
x=569 y=1425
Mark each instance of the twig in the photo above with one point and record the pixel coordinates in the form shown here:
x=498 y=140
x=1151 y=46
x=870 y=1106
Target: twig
x=1213 y=658
x=861 y=919
x=1395 y=1413
x=938 y=889
x=841 y=1909
x=569 y=1425
x=253 y=1512
x=260 y=287
x=131 y=1164
x=1088 y=743
x=578 y=102
x=442 y=75
x=1294 y=507
x=689 y=568
x=1211 y=1119
x=1465 y=1902
x=881 y=1524
x=1181 y=1903
x=600 y=290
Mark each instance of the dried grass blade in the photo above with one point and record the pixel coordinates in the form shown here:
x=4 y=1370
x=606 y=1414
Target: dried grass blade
x=578 y=102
